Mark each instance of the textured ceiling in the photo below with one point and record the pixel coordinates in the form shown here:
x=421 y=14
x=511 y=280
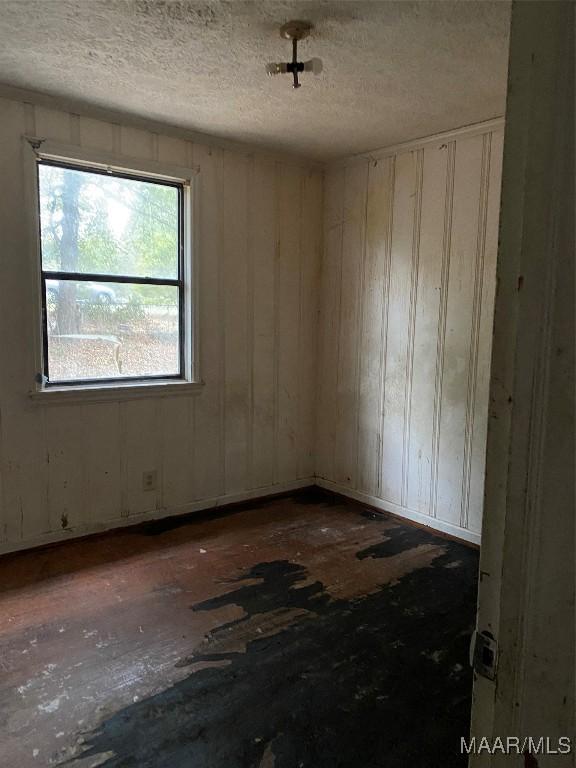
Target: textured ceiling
x=393 y=71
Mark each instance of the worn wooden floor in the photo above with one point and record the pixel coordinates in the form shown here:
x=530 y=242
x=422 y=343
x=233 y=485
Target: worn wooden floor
x=303 y=632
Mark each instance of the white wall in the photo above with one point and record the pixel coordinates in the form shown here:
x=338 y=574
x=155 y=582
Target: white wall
x=410 y=239
x=397 y=413
x=250 y=430
x=527 y=590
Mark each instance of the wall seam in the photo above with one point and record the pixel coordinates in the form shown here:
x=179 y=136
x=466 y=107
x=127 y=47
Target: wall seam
x=276 y=301
x=196 y=317
x=384 y=334
x=339 y=324
x=475 y=330
x=31 y=122
x=222 y=340
x=159 y=452
x=412 y=324
x=442 y=315
x=360 y=325
x=319 y=336
x=300 y=432
x=250 y=322
x=75 y=138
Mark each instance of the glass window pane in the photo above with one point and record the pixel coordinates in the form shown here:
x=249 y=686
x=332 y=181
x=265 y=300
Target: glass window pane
x=111 y=330
x=104 y=224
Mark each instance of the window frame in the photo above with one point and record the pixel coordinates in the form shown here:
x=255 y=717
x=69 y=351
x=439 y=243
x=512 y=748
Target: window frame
x=41 y=151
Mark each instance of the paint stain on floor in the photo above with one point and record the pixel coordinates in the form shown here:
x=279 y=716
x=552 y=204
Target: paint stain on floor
x=300 y=633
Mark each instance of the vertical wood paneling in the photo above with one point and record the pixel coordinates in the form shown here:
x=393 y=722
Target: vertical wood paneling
x=141 y=437
x=263 y=271
x=176 y=431
x=461 y=278
x=176 y=417
x=208 y=448
x=398 y=323
x=235 y=276
x=103 y=469
x=354 y=224
x=102 y=498
x=175 y=151
x=96 y=134
x=420 y=444
x=442 y=310
x=311 y=247
x=413 y=300
x=371 y=341
x=140 y=449
x=329 y=322
x=23 y=453
x=289 y=320
x=475 y=330
x=480 y=405
x=258 y=288
x=251 y=213
x=65 y=428
x=136 y=143
x=53 y=124
x=402 y=262
x=276 y=320
x=65 y=442
x=424 y=308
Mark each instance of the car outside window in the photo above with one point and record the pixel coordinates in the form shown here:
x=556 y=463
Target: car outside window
x=112 y=275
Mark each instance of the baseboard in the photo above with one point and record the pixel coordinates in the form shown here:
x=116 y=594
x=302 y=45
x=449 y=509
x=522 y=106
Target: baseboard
x=400 y=511
x=203 y=505
x=57 y=537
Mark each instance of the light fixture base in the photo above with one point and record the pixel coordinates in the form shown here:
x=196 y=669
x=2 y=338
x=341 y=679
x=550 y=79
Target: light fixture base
x=296 y=30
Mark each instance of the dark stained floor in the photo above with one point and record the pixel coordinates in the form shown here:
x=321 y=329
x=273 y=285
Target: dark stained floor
x=302 y=632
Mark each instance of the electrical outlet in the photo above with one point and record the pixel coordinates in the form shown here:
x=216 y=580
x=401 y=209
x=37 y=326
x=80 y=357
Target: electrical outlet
x=149 y=480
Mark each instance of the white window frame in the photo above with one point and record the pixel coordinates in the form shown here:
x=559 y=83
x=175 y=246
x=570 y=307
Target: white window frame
x=35 y=149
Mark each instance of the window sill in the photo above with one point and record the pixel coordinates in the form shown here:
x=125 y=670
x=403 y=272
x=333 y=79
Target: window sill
x=97 y=393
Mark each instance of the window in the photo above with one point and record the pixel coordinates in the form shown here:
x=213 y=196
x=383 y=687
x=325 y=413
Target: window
x=113 y=274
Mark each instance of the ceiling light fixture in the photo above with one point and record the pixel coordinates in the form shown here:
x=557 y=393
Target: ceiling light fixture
x=295 y=30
